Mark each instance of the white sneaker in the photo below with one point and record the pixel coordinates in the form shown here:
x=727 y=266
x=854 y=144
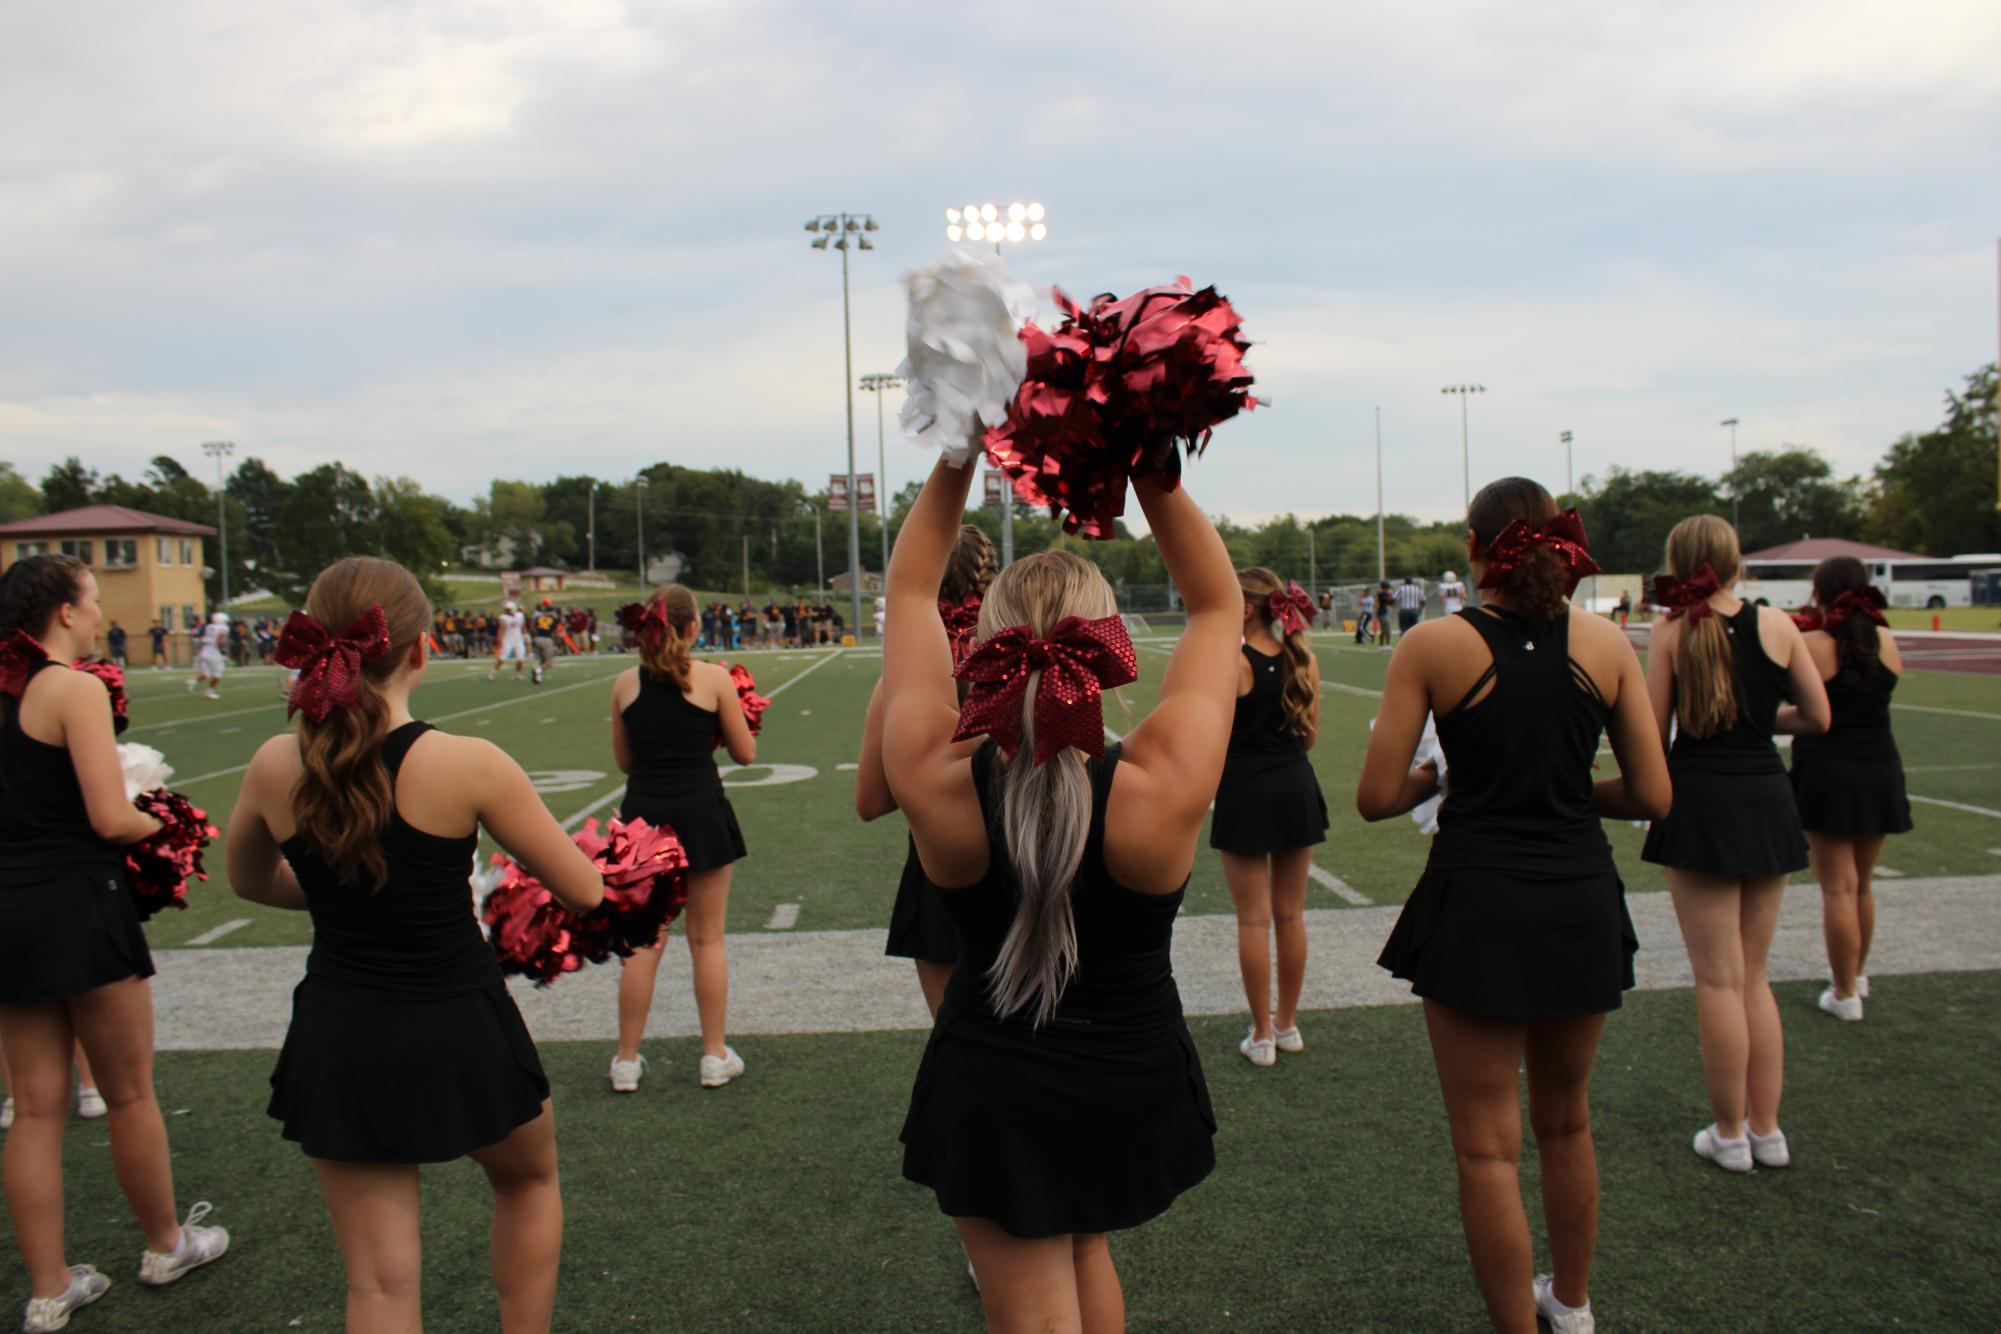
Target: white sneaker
x=625 y=1075
x=1256 y=1052
x=1770 y=1150
x=7 y=1114
x=1569 y=1320
x=210 y=694
x=1288 y=1040
x=192 y=684
x=1862 y=986
x=1850 y=1009
x=86 y=1285
x=720 y=1070
x=199 y=1246
x=1732 y=1155
x=489 y=676
x=89 y=1103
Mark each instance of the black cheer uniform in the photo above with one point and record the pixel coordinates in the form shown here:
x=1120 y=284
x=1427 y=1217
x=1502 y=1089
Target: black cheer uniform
x=404 y=1046
x=673 y=779
x=1734 y=813
x=1520 y=912
x=919 y=926
x=1269 y=798
x=67 y=919
x=1100 y=1118
x=1849 y=780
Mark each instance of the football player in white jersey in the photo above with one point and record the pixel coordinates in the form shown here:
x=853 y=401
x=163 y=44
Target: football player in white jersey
x=513 y=641
x=209 y=661
x=1454 y=592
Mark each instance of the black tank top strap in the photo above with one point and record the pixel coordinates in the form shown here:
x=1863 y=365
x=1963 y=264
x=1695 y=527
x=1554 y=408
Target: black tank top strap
x=1484 y=625
x=1101 y=794
x=396 y=746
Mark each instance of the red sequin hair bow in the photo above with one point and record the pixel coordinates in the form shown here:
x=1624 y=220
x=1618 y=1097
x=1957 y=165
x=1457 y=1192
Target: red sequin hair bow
x=1563 y=534
x=644 y=620
x=329 y=668
x=962 y=622
x=19 y=652
x=1292 y=608
x=1689 y=596
x=1866 y=601
x=1078 y=662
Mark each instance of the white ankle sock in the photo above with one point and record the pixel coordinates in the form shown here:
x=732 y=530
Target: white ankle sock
x=1556 y=1303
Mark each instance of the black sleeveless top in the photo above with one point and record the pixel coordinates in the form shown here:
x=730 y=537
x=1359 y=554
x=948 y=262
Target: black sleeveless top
x=1259 y=738
x=671 y=743
x=1124 y=981
x=1745 y=747
x=415 y=933
x=1518 y=760
x=44 y=824
x=1860 y=725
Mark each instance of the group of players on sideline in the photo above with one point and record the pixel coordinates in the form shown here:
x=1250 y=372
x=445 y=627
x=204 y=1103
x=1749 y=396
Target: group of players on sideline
x=1061 y=1095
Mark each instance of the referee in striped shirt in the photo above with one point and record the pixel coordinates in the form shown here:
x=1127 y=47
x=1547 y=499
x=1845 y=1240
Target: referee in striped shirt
x=1410 y=605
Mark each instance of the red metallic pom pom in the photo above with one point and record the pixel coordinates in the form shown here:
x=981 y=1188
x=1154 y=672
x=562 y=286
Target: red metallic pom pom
x=645 y=888
x=753 y=703
x=159 y=867
x=113 y=677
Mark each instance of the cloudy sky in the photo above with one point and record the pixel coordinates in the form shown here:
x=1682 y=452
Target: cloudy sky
x=459 y=239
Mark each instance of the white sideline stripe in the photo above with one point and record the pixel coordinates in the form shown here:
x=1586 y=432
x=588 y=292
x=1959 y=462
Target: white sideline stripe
x=1994 y=852
x=787 y=684
x=1889 y=873
x=1344 y=891
x=215 y=933
x=1351 y=690
x=1945 y=768
x=1956 y=713
x=783 y=918
x=204 y=718
x=1957 y=806
x=847 y=767
x=587 y=812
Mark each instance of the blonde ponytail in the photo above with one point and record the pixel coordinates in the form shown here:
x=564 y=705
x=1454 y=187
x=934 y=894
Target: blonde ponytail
x=1705 y=683
x=1301 y=684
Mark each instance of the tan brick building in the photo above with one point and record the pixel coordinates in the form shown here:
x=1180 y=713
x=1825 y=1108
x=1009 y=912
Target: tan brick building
x=148 y=568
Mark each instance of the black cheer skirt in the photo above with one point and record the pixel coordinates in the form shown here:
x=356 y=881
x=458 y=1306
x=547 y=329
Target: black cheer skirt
x=67 y=931
x=369 y=1076
x=1729 y=825
x=705 y=822
x=1851 y=798
x=1515 y=948
x=919 y=926
x=1269 y=811
x=1057 y=1132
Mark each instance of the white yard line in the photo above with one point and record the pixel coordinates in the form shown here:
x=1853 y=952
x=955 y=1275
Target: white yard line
x=215 y=933
x=1957 y=806
x=788 y=683
x=587 y=812
x=1344 y=891
x=1955 y=713
x=203 y=718
x=783 y=917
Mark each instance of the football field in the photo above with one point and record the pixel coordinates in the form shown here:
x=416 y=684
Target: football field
x=776 y=1203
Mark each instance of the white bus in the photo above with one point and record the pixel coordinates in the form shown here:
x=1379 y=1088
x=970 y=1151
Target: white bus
x=1906 y=583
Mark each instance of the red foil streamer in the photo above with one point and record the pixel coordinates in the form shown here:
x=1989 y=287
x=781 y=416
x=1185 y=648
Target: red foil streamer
x=113 y=676
x=645 y=887
x=159 y=867
x=753 y=704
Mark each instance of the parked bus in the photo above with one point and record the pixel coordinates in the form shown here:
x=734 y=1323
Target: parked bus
x=1921 y=582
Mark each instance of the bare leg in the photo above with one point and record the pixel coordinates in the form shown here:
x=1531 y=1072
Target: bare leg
x=1288 y=920
x=1867 y=851
x=1026 y=1286
x=1477 y=1058
x=933 y=978
x=38 y=1041
x=84 y=1078
x=1708 y=909
x=375 y=1221
x=708 y=907
x=1834 y=866
x=527 y=1223
x=115 y=1025
x=636 y=978
x=1250 y=894
x=1560 y=1052
x=1765 y=1057
x=1101 y=1304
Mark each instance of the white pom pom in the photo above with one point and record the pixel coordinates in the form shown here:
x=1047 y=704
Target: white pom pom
x=965 y=359
x=144 y=768
x=1425 y=813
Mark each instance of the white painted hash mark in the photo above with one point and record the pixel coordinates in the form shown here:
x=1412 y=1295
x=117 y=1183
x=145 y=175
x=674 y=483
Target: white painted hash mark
x=1344 y=891
x=215 y=933
x=1957 y=806
x=1889 y=873
x=783 y=918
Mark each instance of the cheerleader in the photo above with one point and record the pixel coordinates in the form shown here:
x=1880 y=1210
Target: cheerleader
x=1060 y=1096
x=1269 y=811
x=919 y=927
x=666 y=715
x=1717 y=670
x=1849 y=783
x=1517 y=935
x=404 y=1046
x=73 y=960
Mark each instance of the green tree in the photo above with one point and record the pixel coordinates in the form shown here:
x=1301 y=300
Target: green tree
x=69 y=485
x=410 y=526
x=261 y=493
x=19 y=498
x=1784 y=496
x=328 y=513
x=1628 y=515
x=1935 y=493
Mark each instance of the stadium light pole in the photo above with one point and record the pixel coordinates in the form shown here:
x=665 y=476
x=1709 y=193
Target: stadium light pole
x=1465 y=391
x=880 y=383
x=1382 y=563
x=591 y=528
x=1731 y=422
x=852 y=230
x=990 y=222
x=220 y=450
x=1569 y=472
x=639 y=508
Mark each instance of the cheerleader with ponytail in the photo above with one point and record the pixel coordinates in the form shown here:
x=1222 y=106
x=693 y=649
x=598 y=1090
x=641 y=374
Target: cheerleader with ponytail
x=404 y=1046
x=1269 y=811
x=1850 y=782
x=1718 y=669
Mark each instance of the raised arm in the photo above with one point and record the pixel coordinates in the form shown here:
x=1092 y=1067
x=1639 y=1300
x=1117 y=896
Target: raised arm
x=922 y=704
x=873 y=799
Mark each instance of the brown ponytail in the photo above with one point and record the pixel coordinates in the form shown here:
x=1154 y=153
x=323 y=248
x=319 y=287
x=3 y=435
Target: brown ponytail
x=972 y=566
x=1539 y=584
x=1858 y=649
x=32 y=591
x=666 y=657
x=1301 y=685
x=1705 y=687
x=343 y=800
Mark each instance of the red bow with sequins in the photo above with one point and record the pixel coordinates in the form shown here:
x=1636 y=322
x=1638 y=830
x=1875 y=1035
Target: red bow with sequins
x=1690 y=596
x=1078 y=661
x=962 y=622
x=1292 y=608
x=1866 y=601
x=644 y=620
x=1563 y=534
x=19 y=652
x=329 y=668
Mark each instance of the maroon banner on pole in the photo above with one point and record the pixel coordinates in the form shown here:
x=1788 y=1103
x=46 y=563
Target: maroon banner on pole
x=865 y=491
x=837 y=493
x=996 y=490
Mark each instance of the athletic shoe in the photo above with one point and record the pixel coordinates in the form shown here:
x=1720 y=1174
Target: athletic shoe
x=1568 y=1320
x=89 y=1103
x=86 y=1285
x=1770 y=1150
x=1862 y=986
x=199 y=1246
x=210 y=694
x=192 y=684
x=7 y=1114
x=1850 y=1009
x=625 y=1075
x=1288 y=1039
x=1256 y=1052
x=1732 y=1155
x=720 y=1070
x=490 y=675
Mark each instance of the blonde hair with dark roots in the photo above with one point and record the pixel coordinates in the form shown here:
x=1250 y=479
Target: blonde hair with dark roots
x=669 y=658
x=1705 y=687
x=1045 y=809
x=1302 y=683
x=343 y=800
x=972 y=566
